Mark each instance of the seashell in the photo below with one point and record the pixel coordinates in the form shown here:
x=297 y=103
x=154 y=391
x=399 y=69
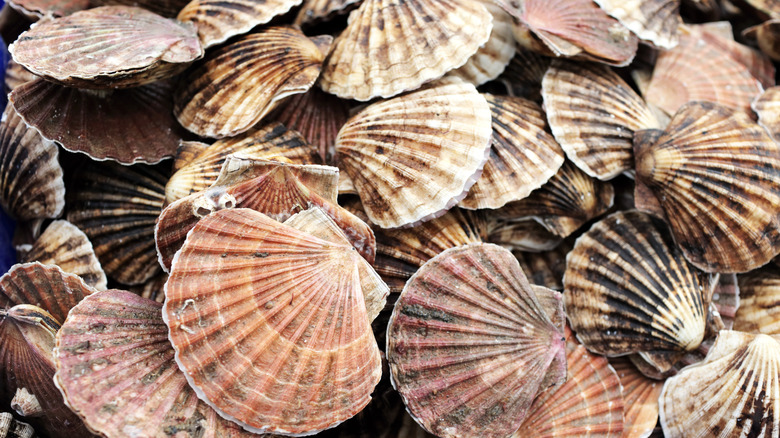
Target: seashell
x=589 y=403
x=218 y=20
x=565 y=203
x=25 y=403
x=628 y=290
x=571 y=28
x=13 y=428
x=107 y=47
x=16 y=75
x=153 y=289
x=469 y=343
x=380 y=148
x=731 y=393
x=593 y=114
x=166 y=8
x=767 y=106
x=129 y=126
x=313 y=12
x=708 y=154
x=767 y=7
x=64 y=245
x=725 y=297
x=116 y=370
x=47 y=8
x=521 y=235
x=31 y=184
x=523 y=156
x=198 y=165
x=545 y=268
x=699 y=70
x=651 y=20
x=116 y=207
x=278 y=361
x=640 y=399
x=370 y=59
x=766 y=37
x=238 y=84
x=759 y=293
x=523 y=76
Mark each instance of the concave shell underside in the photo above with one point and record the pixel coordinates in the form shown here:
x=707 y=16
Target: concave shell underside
x=116 y=369
x=492 y=58
x=413 y=157
x=375 y=55
x=237 y=85
x=107 y=47
x=470 y=344
x=640 y=398
x=652 y=20
x=270 y=324
x=759 y=294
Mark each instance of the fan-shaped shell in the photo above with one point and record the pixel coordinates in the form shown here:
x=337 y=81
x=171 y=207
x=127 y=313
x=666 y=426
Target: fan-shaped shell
x=116 y=207
x=521 y=235
x=523 y=156
x=523 y=76
x=469 y=343
x=377 y=56
x=16 y=75
x=759 y=294
x=492 y=58
x=733 y=392
x=116 y=369
x=132 y=125
x=545 y=268
x=413 y=157
x=270 y=324
x=628 y=290
x=593 y=114
x=714 y=173
x=31 y=184
x=53 y=8
x=315 y=11
x=651 y=20
x=237 y=85
x=64 y=245
x=640 y=399
x=107 y=47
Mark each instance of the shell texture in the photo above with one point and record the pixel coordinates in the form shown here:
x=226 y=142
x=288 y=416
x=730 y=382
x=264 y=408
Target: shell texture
x=523 y=76
x=545 y=268
x=16 y=75
x=315 y=11
x=166 y=8
x=651 y=20
x=766 y=37
x=759 y=293
x=41 y=8
x=640 y=399
x=767 y=107
x=12 y=428
x=521 y=235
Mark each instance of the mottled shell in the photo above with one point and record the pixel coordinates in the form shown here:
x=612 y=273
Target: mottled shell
x=545 y=268
x=523 y=76
x=107 y=47
x=238 y=84
x=470 y=344
x=733 y=392
x=767 y=107
x=492 y=58
x=315 y=11
x=651 y=20
x=116 y=207
x=523 y=155
x=640 y=399
x=270 y=324
x=12 y=428
x=391 y=46
x=116 y=369
x=627 y=289
x=380 y=148
x=593 y=114
x=714 y=173
x=759 y=294
x=31 y=184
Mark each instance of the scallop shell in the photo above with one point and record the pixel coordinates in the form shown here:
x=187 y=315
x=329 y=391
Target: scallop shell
x=413 y=157
x=766 y=37
x=166 y=8
x=545 y=268
x=116 y=207
x=153 y=289
x=116 y=369
x=198 y=165
x=218 y=20
x=42 y=8
x=714 y=173
x=565 y=203
x=31 y=184
x=492 y=58
x=640 y=399
x=270 y=325
x=734 y=392
x=469 y=343
x=12 y=428
x=767 y=106
x=593 y=114
x=725 y=299
x=64 y=245
x=521 y=235
x=523 y=156
x=16 y=75
x=523 y=76
x=238 y=84
x=316 y=11
x=628 y=290
x=759 y=294
x=651 y=20
x=371 y=59
x=768 y=7
x=129 y=126
x=588 y=404
x=107 y=47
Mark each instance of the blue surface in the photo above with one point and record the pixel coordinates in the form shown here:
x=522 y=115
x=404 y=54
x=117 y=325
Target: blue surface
x=7 y=225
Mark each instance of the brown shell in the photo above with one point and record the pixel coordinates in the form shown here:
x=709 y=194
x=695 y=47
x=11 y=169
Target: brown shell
x=218 y=20
x=759 y=294
x=714 y=173
x=166 y=8
x=372 y=59
x=767 y=106
x=523 y=76
x=153 y=289
x=470 y=344
x=523 y=156
x=12 y=428
x=35 y=9
x=16 y=75
x=116 y=207
x=238 y=84
x=270 y=325
x=767 y=36
x=31 y=184
x=64 y=245
x=116 y=369
x=651 y=20
x=129 y=126
x=521 y=235
x=316 y=11
x=640 y=399
x=380 y=148
x=545 y=268
x=593 y=114
x=107 y=47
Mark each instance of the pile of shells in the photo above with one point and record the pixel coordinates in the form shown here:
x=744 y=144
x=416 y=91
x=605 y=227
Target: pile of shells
x=391 y=218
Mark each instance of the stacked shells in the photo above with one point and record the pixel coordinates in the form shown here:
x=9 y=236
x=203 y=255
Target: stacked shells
x=390 y=218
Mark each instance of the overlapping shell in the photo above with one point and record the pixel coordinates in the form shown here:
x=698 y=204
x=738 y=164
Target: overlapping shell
x=545 y=268
x=470 y=344
x=640 y=399
x=767 y=107
x=759 y=294
x=12 y=428
x=521 y=235
x=652 y=20
x=492 y=58
x=766 y=37
x=166 y=8
x=35 y=9
x=315 y=11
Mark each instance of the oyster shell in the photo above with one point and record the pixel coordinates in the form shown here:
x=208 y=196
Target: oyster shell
x=759 y=294
x=651 y=20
